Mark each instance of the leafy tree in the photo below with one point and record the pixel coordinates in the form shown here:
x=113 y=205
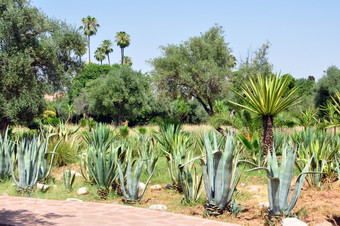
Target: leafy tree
x=123 y=40
x=120 y=95
x=327 y=86
x=196 y=68
x=36 y=56
x=127 y=60
x=88 y=72
x=90 y=26
x=99 y=55
x=267 y=96
x=106 y=48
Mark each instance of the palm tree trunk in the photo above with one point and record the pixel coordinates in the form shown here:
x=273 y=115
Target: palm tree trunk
x=268 y=136
x=88 y=45
x=108 y=58
x=122 y=52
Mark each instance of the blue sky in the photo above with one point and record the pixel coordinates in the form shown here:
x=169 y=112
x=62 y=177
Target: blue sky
x=305 y=34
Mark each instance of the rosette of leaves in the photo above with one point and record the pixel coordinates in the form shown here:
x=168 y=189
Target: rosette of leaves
x=130 y=186
x=280 y=180
x=191 y=183
x=6 y=155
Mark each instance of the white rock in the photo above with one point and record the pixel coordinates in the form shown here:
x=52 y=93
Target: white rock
x=158 y=207
x=82 y=191
x=264 y=204
x=324 y=223
x=292 y=222
x=256 y=196
x=243 y=185
x=42 y=187
x=76 y=173
x=254 y=188
x=73 y=200
x=156 y=187
x=141 y=186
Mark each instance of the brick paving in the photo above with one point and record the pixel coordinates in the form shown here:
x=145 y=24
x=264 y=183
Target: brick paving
x=29 y=211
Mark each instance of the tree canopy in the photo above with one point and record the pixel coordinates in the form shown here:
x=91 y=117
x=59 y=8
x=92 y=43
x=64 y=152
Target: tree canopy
x=196 y=68
x=36 y=53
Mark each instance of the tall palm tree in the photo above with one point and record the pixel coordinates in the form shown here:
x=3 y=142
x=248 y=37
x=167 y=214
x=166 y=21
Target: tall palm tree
x=99 y=55
x=123 y=40
x=90 y=26
x=106 y=47
x=267 y=96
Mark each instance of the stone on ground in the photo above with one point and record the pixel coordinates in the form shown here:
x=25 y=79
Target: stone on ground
x=264 y=204
x=43 y=187
x=82 y=191
x=158 y=207
x=292 y=222
x=156 y=187
x=141 y=186
x=73 y=200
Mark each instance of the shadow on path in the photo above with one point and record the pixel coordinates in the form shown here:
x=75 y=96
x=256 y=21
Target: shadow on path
x=20 y=217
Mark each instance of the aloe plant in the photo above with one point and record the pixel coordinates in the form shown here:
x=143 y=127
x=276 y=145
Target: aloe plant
x=130 y=188
x=68 y=178
x=32 y=162
x=6 y=154
x=280 y=180
x=191 y=183
x=220 y=174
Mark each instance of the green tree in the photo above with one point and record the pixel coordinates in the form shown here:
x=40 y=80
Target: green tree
x=99 y=54
x=35 y=57
x=196 y=68
x=327 y=86
x=106 y=48
x=88 y=73
x=122 y=94
x=127 y=60
x=123 y=40
x=267 y=96
x=90 y=26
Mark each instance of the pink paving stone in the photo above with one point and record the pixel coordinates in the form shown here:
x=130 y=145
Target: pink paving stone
x=29 y=211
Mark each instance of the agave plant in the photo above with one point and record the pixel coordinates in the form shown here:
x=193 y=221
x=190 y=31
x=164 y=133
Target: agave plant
x=319 y=155
x=99 y=137
x=337 y=167
x=101 y=165
x=280 y=180
x=220 y=174
x=146 y=151
x=6 y=154
x=130 y=187
x=191 y=183
x=68 y=178
x=32 y=162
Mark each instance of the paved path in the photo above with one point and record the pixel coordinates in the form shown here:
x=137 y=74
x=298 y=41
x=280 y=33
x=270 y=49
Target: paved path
x=29 y=211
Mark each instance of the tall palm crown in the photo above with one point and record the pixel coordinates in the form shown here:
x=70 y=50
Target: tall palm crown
x=106 y=47
x=267 y=96
x=123 y=40
x=90 y=26
x=99 y=55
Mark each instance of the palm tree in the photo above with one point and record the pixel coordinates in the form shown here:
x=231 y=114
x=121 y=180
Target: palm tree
x=106 y=47
x=90 y=28
x=123 y=40
x=127 y=60
x=267 y=97
x=99 y=55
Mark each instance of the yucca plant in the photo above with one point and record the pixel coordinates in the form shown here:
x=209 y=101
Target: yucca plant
x=32 y=162
x=191 y=183
x=6 y=155
x=280 y=180
x=267 y=96
x=220 y=174
x=68 y=178
x=130 y=186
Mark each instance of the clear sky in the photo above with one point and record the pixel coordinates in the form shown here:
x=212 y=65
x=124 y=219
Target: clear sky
x=305 y=34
